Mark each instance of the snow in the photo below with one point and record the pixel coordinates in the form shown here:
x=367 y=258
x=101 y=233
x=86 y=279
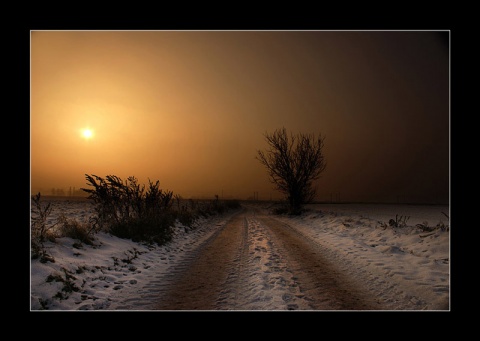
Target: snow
x=404 y=267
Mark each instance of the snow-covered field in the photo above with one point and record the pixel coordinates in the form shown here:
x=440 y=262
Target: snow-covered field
x=406 y=263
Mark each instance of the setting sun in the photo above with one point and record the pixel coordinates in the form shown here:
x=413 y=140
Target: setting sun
x=87 y=133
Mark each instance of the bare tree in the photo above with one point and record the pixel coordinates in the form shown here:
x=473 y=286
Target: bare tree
x=293 y=164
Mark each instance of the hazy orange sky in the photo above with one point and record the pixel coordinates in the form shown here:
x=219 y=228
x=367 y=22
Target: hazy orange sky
x=189 y=108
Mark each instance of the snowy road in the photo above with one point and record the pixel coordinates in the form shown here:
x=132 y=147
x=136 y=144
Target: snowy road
x=255 y=262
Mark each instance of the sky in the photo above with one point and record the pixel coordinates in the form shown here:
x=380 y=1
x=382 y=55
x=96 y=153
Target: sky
x=406 y=268
x=190 y=109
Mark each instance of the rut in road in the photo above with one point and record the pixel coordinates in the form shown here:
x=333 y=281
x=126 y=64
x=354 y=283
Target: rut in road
x=255 y=262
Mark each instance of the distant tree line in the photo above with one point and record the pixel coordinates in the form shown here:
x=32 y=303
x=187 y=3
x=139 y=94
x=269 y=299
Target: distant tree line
x=62 y=192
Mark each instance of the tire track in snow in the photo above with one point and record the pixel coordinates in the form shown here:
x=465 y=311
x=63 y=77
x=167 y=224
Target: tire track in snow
x=319 y=279
x=199 y=281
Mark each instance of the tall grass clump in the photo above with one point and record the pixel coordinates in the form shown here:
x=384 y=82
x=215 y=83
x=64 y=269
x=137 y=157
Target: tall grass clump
x=207 y=208
x=40 y=230
x=74 y=229
x=127 y=209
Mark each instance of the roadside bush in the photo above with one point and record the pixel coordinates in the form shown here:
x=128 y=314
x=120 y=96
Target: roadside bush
x=128 y=210
x=280 y=210
x=216 y=206
x=186 y=218
x=232 y=204
x=146 y=229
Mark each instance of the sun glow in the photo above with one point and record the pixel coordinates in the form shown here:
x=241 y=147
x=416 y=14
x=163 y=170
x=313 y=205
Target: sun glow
x=87 y=133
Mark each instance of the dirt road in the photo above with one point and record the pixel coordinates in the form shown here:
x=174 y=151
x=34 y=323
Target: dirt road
x=255 y=262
